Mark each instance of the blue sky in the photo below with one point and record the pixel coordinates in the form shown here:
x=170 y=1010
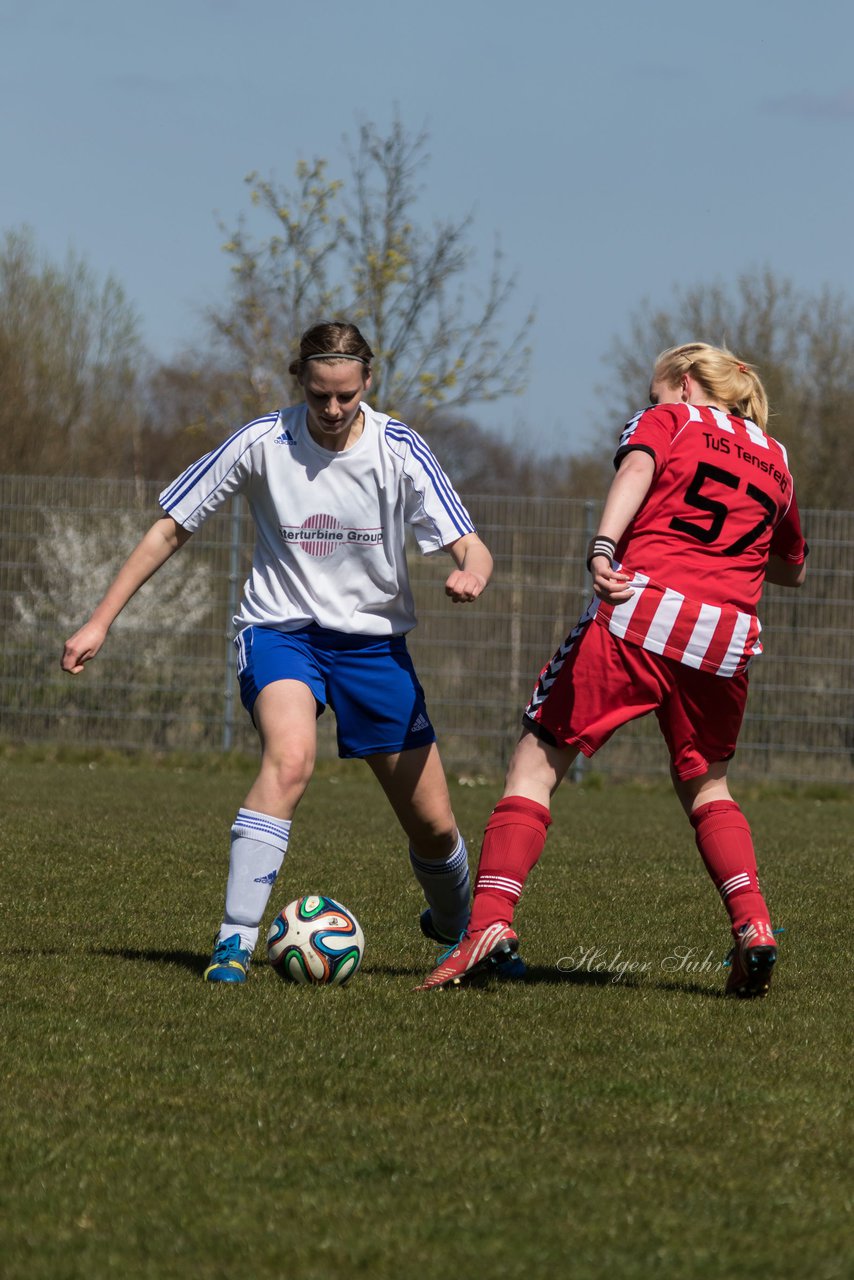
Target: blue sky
x=618 y=151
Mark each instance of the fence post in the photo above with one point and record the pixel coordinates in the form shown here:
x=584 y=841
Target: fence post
x=516 y=607
x=233 y=598
x=579 y=764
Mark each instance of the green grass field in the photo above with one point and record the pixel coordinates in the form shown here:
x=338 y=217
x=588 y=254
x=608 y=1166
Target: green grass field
x=593 y=1122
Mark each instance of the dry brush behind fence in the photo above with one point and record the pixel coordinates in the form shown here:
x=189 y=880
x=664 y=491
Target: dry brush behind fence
x=165 y=680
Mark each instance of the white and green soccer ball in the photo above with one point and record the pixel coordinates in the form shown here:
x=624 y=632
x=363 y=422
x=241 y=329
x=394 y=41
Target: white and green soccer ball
x=315 y=941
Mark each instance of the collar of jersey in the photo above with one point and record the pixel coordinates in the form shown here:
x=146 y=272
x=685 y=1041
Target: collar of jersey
x=335 y=453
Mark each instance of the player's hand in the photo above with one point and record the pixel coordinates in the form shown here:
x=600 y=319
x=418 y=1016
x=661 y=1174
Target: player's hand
x=610 y=585
x=463 y=586
x=82 y=647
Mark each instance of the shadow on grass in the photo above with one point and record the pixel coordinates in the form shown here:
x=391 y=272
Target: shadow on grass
x=537 y=975
x=582 y=978
x=540 y=975
x=184 y=959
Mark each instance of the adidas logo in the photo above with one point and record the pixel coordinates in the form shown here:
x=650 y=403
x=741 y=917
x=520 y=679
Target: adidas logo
x=285 y=438
x=420 y=722
x=269 y=878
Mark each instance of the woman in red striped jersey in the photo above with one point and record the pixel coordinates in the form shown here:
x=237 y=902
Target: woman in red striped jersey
x=701 y=513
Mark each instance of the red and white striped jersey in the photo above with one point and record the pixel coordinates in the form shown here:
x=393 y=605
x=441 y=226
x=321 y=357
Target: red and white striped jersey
x=721 y=501
x=716 y=638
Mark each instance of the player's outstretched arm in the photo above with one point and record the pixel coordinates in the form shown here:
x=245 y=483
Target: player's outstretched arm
x=784 y=574
x=473 y=571
x=162 y=541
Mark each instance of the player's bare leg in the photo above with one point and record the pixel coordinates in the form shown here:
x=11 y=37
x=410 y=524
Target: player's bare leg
x=537 y=768
x=415 y=784
x=285 y=715
x=710 y=787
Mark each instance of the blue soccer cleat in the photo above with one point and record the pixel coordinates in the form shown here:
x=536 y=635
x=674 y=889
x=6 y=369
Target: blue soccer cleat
x=512 y=969
x=229 y=962
x=430 y=931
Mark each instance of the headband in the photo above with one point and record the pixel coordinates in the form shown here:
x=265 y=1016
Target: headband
x=333 y=355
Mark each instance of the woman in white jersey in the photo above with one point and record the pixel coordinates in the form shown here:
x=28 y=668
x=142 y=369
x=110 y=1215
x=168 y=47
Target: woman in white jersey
x=332 y=486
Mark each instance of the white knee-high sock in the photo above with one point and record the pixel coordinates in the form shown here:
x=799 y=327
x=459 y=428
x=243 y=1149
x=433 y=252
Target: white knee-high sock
x=258 y=847
x=446 y=886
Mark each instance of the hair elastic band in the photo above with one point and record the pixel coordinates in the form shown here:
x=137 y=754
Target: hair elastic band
x=742 y=368
x=333 y=355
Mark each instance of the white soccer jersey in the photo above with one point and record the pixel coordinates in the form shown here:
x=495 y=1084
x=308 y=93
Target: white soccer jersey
x=330 y=527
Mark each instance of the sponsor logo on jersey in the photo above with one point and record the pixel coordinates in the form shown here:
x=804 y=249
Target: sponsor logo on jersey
x=321 y=535
x=285 y=438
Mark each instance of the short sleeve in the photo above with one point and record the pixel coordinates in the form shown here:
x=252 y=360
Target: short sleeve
x=788 y=541
x=207 y=484
x=652 y=431
x=432 y=507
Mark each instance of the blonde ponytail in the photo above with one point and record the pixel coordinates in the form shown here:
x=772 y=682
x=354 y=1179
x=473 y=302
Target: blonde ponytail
x=727 y=379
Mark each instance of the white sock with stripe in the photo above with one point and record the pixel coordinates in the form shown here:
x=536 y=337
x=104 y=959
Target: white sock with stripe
x=258 y=847
x=447 y=888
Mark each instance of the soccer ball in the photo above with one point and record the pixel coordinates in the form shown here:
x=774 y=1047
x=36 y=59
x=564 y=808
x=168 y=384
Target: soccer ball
x=315 y=940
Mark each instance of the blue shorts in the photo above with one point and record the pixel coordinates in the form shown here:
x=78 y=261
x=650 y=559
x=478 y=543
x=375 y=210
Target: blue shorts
x=368 y=681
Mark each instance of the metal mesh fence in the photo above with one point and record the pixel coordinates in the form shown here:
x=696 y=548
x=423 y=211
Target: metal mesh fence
x=165 y=681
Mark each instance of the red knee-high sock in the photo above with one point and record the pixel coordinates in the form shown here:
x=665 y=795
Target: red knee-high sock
x=726 y=847
x=512 y=843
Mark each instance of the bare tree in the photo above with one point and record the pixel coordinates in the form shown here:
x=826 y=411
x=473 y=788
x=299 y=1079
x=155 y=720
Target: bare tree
x=803 y=346
x=479 y=462
x=69 y=360
x=352 y=247
x=186 y=406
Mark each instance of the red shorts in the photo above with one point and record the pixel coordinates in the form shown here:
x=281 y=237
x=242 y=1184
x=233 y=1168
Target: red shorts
x=597 y=682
